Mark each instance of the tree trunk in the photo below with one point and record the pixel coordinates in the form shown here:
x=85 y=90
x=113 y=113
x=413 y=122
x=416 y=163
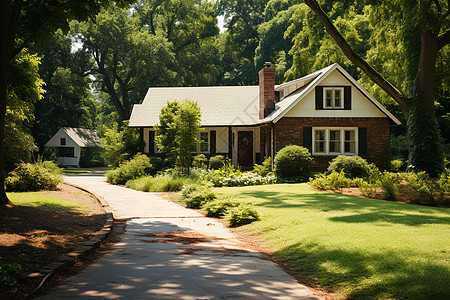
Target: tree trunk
x=4 y=62
x=424 y=137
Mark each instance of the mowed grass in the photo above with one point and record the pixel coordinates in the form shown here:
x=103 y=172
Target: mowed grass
x=362 y=248
x=45 y=201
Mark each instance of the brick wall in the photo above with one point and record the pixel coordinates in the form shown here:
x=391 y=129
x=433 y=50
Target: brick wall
x=290 y=131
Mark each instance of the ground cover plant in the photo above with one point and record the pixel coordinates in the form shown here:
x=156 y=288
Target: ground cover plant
x=362 y=248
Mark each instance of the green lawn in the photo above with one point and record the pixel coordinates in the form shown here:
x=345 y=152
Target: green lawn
x=364 y=249
x=46 y=201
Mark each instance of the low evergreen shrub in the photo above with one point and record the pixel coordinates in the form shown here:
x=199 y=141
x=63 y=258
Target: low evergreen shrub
x=265 y=168
x=241 y=215
x=136 y=167
x=216 y=162
x=219 y=207
x=196 y=195
x=293 y=161
x=32 y=177
x=354 y=166
x=200 y=161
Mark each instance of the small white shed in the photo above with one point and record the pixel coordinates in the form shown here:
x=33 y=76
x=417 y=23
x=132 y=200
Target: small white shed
x=68 y=142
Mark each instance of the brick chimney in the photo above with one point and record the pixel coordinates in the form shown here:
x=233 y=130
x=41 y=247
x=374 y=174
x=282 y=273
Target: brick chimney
x=266 y=90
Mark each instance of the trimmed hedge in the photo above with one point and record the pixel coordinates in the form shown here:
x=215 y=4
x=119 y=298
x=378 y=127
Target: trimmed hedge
x=293 y=161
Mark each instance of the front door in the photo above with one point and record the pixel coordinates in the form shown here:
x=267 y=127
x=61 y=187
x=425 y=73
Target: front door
x=245 y=148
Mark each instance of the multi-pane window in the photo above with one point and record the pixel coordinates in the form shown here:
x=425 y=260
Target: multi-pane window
x=202 y=145
x=333 y=97
x=65 y=152
x=335 y=141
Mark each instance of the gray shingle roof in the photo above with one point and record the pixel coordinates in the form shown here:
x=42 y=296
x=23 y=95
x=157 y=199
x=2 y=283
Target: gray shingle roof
x=220 y=105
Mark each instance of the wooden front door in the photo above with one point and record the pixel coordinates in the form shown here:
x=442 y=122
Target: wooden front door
x=245 y=148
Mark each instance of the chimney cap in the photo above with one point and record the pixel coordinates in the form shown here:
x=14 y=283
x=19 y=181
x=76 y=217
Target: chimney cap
x=267 y=64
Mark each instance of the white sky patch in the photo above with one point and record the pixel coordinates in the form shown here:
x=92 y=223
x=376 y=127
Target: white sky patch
x=220 y=23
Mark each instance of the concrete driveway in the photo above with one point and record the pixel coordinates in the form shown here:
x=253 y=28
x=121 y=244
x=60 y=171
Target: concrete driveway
x=170 y=252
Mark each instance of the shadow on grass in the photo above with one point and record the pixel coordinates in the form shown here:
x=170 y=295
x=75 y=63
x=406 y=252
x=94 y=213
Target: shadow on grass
x=398 y=276
x=359 y=209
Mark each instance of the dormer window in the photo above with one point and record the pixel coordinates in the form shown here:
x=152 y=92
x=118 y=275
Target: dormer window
x=333 y=97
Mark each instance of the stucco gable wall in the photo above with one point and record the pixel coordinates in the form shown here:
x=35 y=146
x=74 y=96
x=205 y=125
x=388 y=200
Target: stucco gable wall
x=361 y=106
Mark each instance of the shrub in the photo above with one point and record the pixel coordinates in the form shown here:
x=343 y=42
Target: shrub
x=265 y=168
x=159 y=183
x=292 y=161
x=396 y=165
x=138 y=166
x=216 y=162
x=333 y=181
x=368 y=189
x=219 y=207
x=196 y=195
x=200 y=161
x=387 y=182
x=31 y=177
x=353 y=166
x=241 y=215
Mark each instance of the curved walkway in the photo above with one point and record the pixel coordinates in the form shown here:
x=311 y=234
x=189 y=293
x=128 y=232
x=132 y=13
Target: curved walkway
x=170 y=252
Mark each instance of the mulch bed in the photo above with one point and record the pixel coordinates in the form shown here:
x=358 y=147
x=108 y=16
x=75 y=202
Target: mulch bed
x=34 y=237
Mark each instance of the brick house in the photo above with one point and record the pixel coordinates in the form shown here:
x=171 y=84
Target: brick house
x=327 y=112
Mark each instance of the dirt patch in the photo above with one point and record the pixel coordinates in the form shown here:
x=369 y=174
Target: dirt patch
x=34 y=237
x=186 y=238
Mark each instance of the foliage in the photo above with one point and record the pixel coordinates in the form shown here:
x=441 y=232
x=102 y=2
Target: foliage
x=159 y=183
x=219 y=207
x=388 y=183
x=196 y=195
x=92 y=157
x=121 y=145
x=239 y=179
x=334 y=181
x=200 y=161
x=354 y=166
x=136 y=167
x=216 y=162
x=292 y=161
x=165 y=132
x=187 y=124
x=8 y=272
x=396 y=165
x=427 y=190
x=265 y=168
x=68 y=100
x=368 y=189
x=241 y=215
x=31 y=177
x=18 y=147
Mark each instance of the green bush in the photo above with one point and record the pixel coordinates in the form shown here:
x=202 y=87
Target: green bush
x=219 y=207
x=396 y=165
x=335 y=181
x=353 y=166
x=159 y=183
x=265 y=168
x=216 y=162
x=388 y=184
x=138 y=166
x=200 y=161
x=31 y=177
x=196 y=195
x=241 y=215
x=293 y=161
x=92 y=157
x=368 y=189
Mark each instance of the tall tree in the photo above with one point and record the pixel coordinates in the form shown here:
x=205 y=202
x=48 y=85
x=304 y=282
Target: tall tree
x=68 y=100
x=426 y=30
x=22 y=22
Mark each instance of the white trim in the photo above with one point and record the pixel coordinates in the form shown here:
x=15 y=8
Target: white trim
x=333 y=97
x=327 y=141
x=323 y=74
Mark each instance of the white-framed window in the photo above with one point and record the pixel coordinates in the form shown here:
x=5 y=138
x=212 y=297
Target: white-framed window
x=335 y=141
x=202 y=145
x=333 y=97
